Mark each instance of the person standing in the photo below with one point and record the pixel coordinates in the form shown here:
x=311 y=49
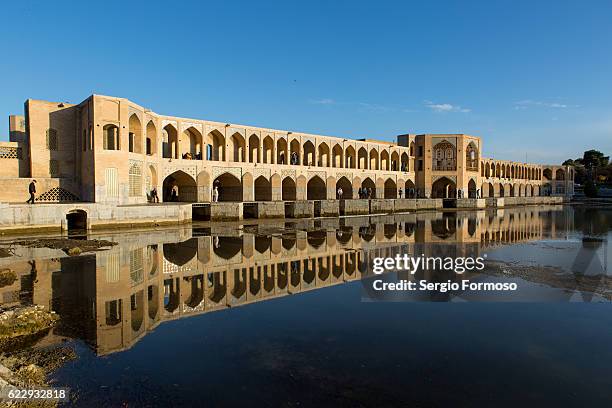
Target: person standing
x=215 y=194
x=339 y=193
x=32 y=190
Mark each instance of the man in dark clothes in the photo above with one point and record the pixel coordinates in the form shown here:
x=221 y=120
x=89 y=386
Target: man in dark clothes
x=32 y=190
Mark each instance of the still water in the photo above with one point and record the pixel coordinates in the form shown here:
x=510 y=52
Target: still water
x=279 y=313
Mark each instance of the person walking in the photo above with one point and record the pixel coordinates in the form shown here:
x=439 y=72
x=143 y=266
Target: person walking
x=32 y=190
x=154 y=196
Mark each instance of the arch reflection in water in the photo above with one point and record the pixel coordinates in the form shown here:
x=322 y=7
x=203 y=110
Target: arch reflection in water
x=151 y=278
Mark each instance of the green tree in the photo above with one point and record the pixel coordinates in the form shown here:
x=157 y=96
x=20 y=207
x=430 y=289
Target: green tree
x=590 y=189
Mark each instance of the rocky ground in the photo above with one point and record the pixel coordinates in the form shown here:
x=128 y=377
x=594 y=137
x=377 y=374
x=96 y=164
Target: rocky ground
x=21 y=364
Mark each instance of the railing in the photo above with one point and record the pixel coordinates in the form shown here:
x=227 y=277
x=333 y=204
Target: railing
x=9 y=152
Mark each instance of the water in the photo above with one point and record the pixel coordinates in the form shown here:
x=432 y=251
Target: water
x=277 y=314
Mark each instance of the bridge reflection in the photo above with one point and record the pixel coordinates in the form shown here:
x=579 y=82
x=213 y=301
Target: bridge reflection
x=113 y=298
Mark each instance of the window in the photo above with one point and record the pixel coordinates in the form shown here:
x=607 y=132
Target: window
x=111 y=137
x=131 y=142
x=112 y=182
x=471 y=157
x=136 y=266
x=135 y=179
x=420 y=167
x=149 y=146
x=52 y=139
x=420 y=151
x=444 y=157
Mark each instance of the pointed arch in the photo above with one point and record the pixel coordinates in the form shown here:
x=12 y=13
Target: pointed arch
x=179 y=186
x=315 y=189
x=362 y=158
x=263 y=189
x=309 y=154
x=390 y=188
x=237 y=146
x=151 y=143
x=229 y=187
x=346 y=186
x=268 y=150
x=215 y=146
x=350 y=158
x=170 y=142
x=443 y=188
x=288 y=189
x=254 y=149
x=135 y=134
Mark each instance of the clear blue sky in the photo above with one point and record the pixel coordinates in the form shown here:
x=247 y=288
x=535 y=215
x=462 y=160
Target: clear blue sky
x=531 y=77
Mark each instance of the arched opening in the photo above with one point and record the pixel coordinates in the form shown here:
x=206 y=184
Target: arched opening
x=560 y=174
x=238 y=148
x=472 y=189
x=282 y=155
x=215 y=146
x=254 y=149
x=229 y=187
x=295 y=152
x=172 y=295
x=179 y=186
x=196 y=294
x=502 y=191
x=268 y=150
x=76 y=221
x=137 y=310
x=471 y=157
x=395 y=161
x=169 y=142
x=180 y=253
x=405 y=163
x=490 y=191
x=288 y=189
x=487 y=170
x=443 y=188
x=446 y=227
x=263 y=189
x=384 y=160
x=151 y=182
x=152 y=301
x=151 y=147
x=346 y=186
x=547 y=174
x=529 y=190
x=323 y=155
x=511 y=191
x=315 y=189
x=444 y=157
x=370 y=188
x=337 y=156
x=350 y=158
x=409 y=189
x=227 y=247
x=362 y=158
x=191 y=144
x=373 y=159
x=135 y=134
x=309 y=152
x=110 y=137
x=390 y=188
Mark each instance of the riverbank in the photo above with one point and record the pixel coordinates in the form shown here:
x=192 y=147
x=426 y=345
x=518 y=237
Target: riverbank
x=53 y=218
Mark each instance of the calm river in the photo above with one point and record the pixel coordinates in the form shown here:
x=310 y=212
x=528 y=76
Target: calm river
x=281 y=313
